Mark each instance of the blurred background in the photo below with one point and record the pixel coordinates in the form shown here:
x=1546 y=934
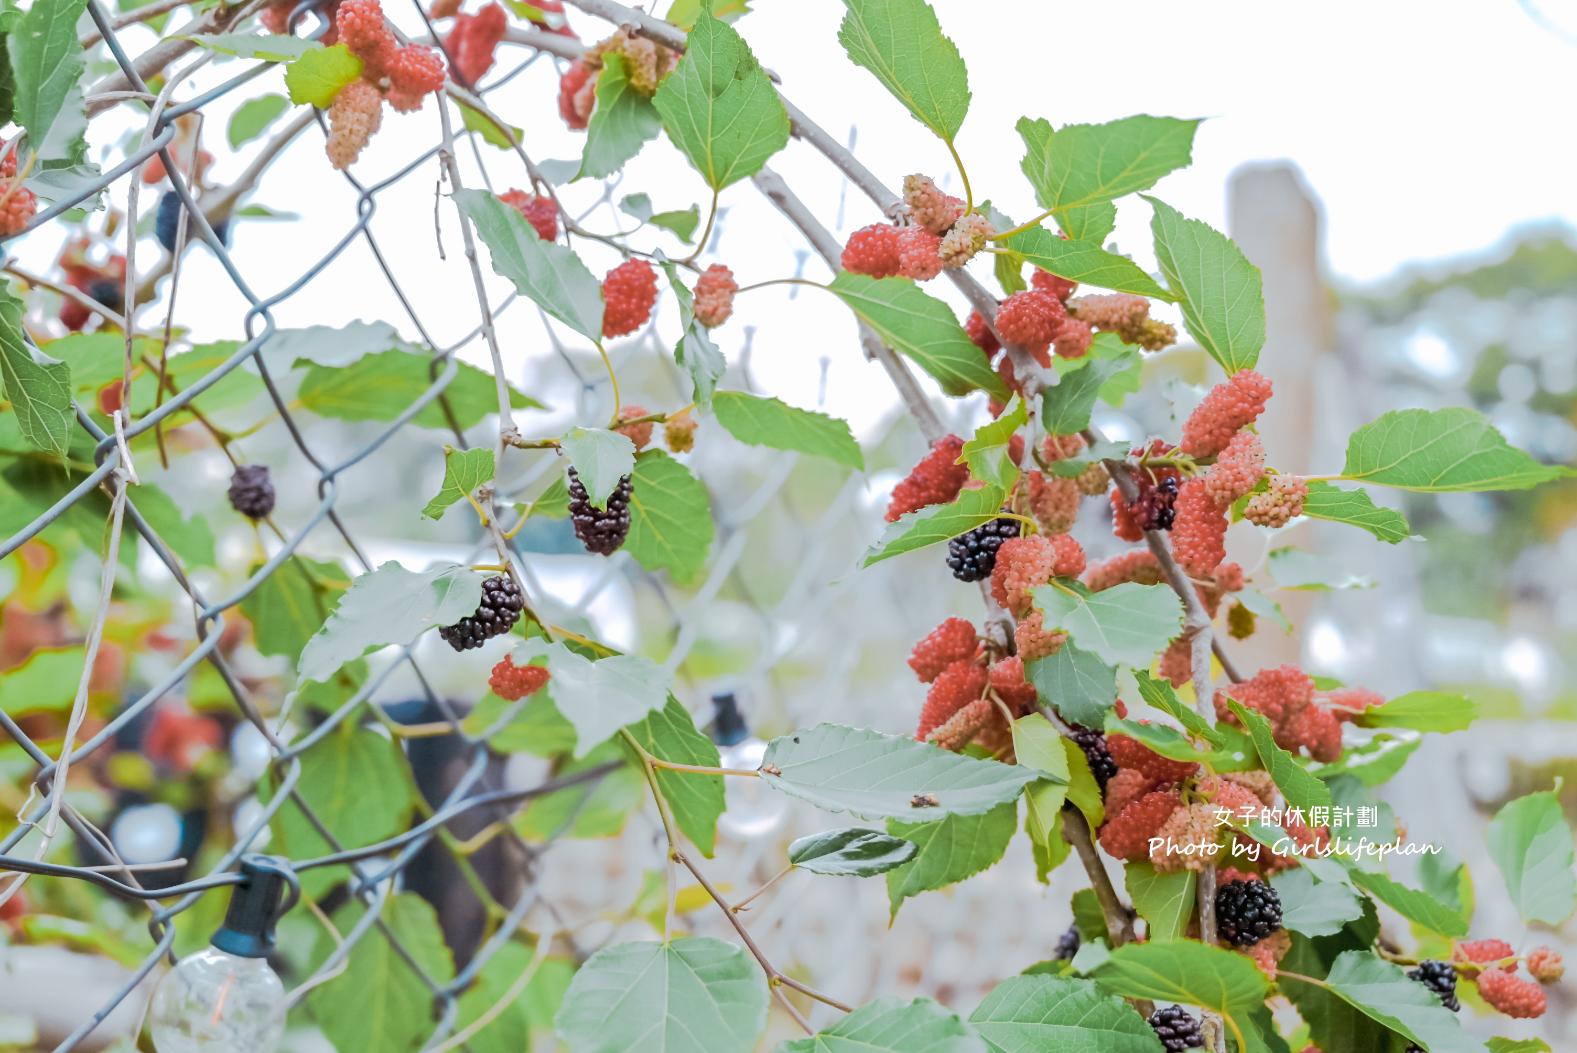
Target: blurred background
x=1398 y=173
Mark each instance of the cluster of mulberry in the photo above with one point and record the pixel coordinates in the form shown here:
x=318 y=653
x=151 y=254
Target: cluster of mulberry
x=1492 y=966
x=401 y=74
x=1026 y=562
x=1285 y=696
x=540 y=210
x=103 y=282
x=645 y=65
x=936 y=480
x=629 y=292
x=18 y=204
x=966 y=697
x=1125 y=315
x=495 y=615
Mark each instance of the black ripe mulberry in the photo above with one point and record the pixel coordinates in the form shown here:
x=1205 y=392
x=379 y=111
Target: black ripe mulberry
x=973 y=556
x=1155 y=508
x=495 y=615
x=251 y=491
x=601 y=530
x=1439 y=977
x=1176 y=1029
x=1093 y=743
x=1247 y=912
x=1067 y=944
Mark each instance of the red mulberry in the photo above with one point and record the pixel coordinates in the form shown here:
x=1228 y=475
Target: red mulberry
x=1177 y=662
x=919 y=256
x=1139 y=565
x=512 y=682
x=1348 y=703
x=1200 y=530
x=640 y=434
x=1125 y=787
x=980 y=334
x=1022 y=564
x=714 y=295
x=873 y=251
x=1228 y=408
x=1033 y=641
x=936 y=480
x=1031 y=320
x=1316 y=730
x=1485 y=952
x=1279 y=504
x=474 y=39
x=1127 y=835
x=362 y=29
x=1007 y=680
x=541 y=212
x=1279 y=694
x=1058 y=286
x=1237 y=469
x=414 y=72
x=1072 y=339
x=952 y=641
x=1061 y=447
x=18 y=206
x=1129 y=752
x=1512 y=995
x=1054 y=502
x=958 y=685
x=628 y=292
x=932 y=209
x=577 y=94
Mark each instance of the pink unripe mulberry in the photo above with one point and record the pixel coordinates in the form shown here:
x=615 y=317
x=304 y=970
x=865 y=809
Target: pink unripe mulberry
x=1031 y=319
x=919 y=254
x=1022 y=564
x=932 y=209
x=577 y=94
x=1199 y=530
x=980 y=334
x=1279 y=694
x=1229 y=407
x=873 y=251
x=629 y=292
x=1126 y=787
x=354 y=117
x=1315 y=730
x=714 y=295
x=1072 y=339
x=1485 y=952
x=1512 y=995
x=952 y=641
x=1348 y=703
x=1279 y=503
x=1054 y=501
x=1546 y=965
x=968 y=237
x=474 y=39
x=1177 y=662
x=1033 y=640
x=1238 y=468
x=935 y=480
x=640 y=434
x=415 y=72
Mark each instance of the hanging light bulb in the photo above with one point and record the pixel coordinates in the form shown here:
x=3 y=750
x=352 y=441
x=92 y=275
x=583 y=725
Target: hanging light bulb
x=753 y=810
x=225 y=997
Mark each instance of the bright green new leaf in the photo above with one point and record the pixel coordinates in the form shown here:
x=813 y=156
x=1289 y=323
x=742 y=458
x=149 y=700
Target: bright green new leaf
x=987 y=453
x=1187 y=972
x=680 y=222
x=1076 y=683
x=1038 y=745
x=850 y=852
x=1128 y=624
x=901 y=42
x=922 y=328
x=1159 y=693
x=464 y=471
x=319 y=74
x=1530 y=840
x=1083 y=262
x=935 y=524
x=948 y=850
x=474 y=120
x=1220 y=291
x=1440 y=451
x=598 y=697
x=1034 y=1014
x=683 y=13
x=1301 y=789
x=1440 y=711
x=774 y=423
x=253 y=117
x=623 y=122
x=720 y=108
x=1356 y=508
x=1165 y=900
x=670 y=517
x=891 y=1025
x=1078 y=170
x=39 y=391
x=876 y=776
x=670 y=734
x=1412 y=904
x=550 y=275
x=693 y=995
x=45 y=682
x=390 y=605
x=1084 y=793
x=600 y=459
